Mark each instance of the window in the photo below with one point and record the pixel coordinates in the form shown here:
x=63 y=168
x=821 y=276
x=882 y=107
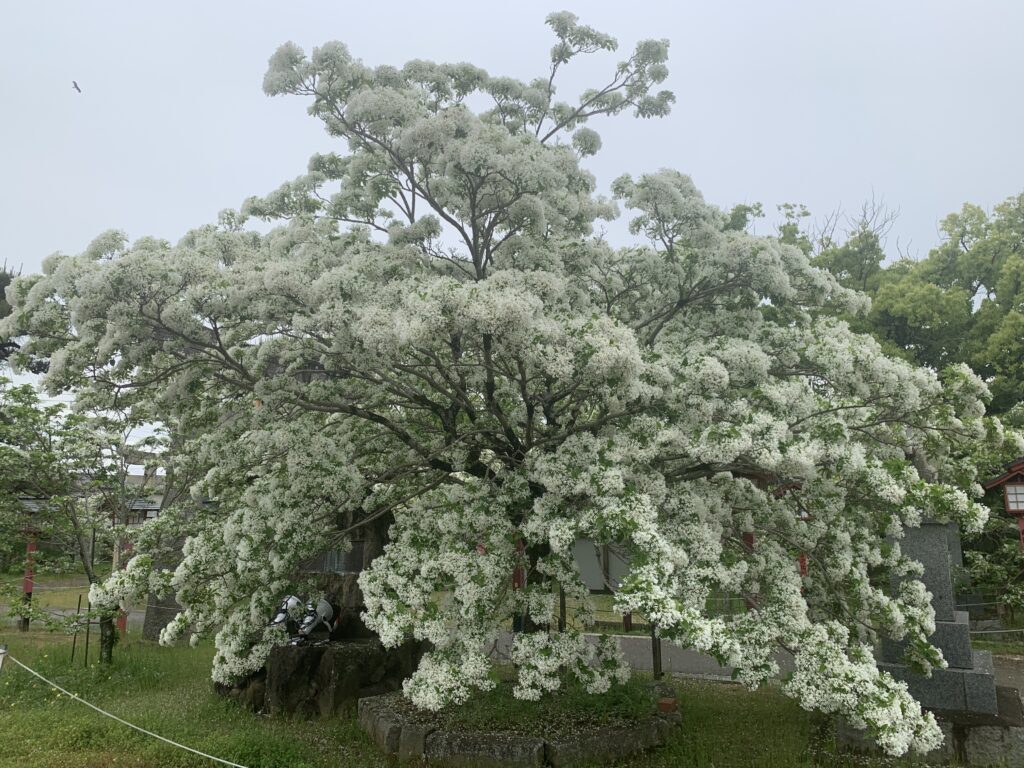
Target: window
x=1015 y=498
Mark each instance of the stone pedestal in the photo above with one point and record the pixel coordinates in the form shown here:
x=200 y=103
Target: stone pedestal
x=983 y=724
x=968 y=685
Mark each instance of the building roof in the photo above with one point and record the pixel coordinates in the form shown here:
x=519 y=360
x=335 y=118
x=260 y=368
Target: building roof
x=1014 y=469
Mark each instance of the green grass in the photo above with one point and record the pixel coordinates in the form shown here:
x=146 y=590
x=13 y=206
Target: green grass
x=60 y=592
x=168 y=690
x=1006 y=647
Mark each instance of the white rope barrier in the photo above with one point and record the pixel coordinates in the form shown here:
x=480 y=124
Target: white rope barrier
x=39 y=587
x=75 y=696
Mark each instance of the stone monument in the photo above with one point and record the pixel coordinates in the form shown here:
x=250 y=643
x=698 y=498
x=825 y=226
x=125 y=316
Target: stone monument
x=968 y=684
x=983 y=722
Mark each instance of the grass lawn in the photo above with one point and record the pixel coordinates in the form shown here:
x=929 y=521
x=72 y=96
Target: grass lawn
x=60 y=592
x=167 y=690
x=1004 y=647
x=55 y=591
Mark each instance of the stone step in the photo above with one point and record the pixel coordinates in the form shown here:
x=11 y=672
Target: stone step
x=953 y=638
x=963 y=690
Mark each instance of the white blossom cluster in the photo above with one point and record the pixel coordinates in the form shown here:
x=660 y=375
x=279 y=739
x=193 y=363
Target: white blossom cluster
x=542 y=658
x=434 y=355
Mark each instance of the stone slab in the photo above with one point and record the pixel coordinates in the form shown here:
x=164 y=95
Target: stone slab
x=412 y=742
x=966 y=690
x=484 y=750
x=606 y=746
x=1010 y=714
x=929 y=545
x=953 y=638
x=387 y=729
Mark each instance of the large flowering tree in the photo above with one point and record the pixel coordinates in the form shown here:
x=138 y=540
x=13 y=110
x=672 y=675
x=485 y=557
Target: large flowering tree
x=437 y=351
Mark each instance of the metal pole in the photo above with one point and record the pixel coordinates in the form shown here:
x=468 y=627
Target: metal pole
x=74 y=638
x=88 y=625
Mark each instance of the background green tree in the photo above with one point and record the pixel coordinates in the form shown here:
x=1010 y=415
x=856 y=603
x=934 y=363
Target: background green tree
x=66 y=475
x=962 y=303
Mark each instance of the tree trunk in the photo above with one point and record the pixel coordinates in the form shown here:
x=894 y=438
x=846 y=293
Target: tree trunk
x=108 y=636
x=533 y=577
x=108 y=633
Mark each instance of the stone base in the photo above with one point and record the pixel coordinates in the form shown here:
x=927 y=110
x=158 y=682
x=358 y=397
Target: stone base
x=415 y=742
x=330 y=679
x=953 y=637
x=955 y=689
x=250 y=693
x=970 y=738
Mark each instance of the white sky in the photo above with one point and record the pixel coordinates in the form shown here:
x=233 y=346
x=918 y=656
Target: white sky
x=817 y=102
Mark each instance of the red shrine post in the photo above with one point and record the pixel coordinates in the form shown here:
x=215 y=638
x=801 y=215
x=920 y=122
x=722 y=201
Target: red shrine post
x=1012 y=483
x=122 y=615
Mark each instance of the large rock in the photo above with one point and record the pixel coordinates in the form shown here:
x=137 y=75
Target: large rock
x=328 y=679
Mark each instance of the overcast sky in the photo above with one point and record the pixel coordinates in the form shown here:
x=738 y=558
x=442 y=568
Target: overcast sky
x=822 y=103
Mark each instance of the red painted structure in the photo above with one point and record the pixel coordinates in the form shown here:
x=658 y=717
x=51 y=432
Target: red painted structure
x=122 y=616
x=519 y=572
x=1012 y=483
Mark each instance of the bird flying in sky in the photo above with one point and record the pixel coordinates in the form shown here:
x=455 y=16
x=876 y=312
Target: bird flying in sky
x=75 y=86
